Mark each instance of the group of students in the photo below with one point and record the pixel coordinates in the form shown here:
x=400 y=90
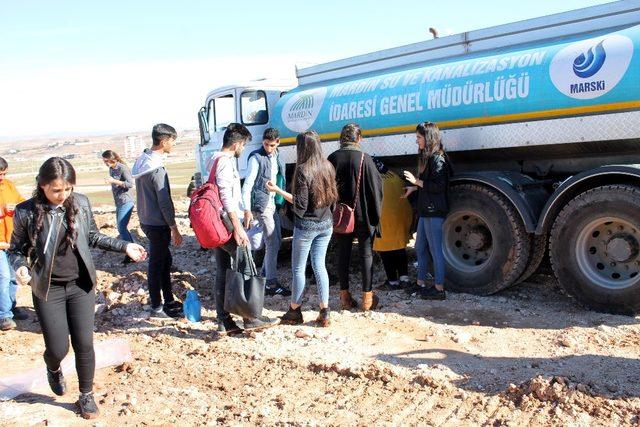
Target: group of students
x=47 y=239
x=378 y=197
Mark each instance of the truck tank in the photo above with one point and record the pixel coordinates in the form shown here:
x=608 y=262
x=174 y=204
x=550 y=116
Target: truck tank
x=542 y=121
x=499 y=109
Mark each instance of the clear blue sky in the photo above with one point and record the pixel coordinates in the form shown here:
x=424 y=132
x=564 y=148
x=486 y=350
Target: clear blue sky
x=102 y=66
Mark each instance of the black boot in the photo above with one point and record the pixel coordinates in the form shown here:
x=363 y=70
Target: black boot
x=292 y=317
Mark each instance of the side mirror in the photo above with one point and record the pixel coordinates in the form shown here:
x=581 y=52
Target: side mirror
x=204 y=128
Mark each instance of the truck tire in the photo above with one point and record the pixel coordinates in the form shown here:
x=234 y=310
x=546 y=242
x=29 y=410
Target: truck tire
x=486 y=246
x=595 y=249
x=536 y=255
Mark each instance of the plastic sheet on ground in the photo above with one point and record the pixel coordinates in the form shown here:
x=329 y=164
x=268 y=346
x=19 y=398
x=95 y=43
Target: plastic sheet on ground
x=108 y=353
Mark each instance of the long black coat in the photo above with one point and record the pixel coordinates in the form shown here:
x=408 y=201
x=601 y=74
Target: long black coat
x=346 y=161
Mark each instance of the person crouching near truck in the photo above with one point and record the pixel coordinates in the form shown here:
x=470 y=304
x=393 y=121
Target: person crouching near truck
x=432 y=185
x=53 y=234
x=314 y=193
x=121 y=183
x=359 y=183
x=265 y=165
x=395 y=226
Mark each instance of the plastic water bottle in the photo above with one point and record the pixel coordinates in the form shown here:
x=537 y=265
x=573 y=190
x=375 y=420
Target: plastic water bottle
x=192 y=306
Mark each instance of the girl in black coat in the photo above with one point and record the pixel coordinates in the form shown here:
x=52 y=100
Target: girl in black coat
x=368 y=207
x=432 y=185
x=50 y=250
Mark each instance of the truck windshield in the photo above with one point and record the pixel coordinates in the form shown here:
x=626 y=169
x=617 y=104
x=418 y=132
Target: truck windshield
x=221 y=112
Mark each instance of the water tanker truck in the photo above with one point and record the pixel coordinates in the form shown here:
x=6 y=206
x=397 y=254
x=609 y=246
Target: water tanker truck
x=541 y=119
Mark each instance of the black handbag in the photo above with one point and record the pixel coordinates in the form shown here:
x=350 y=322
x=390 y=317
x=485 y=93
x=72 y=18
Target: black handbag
x=244 y=288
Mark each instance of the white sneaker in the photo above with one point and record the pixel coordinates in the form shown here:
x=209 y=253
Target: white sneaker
x=158 y=313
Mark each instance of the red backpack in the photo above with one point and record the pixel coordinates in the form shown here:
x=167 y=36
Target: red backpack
x=205 y=209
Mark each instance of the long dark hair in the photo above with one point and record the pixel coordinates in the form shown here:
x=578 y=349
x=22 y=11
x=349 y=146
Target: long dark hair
x=51 y=170
x=433 y=143
x=113 y=156
x=316 y=169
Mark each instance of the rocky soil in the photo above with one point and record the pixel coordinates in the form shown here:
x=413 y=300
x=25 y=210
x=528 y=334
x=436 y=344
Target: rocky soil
x=527 y=356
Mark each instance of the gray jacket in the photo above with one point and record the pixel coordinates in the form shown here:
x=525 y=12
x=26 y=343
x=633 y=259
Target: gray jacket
x=39 y=260
x=153 y=193
x=121 y=195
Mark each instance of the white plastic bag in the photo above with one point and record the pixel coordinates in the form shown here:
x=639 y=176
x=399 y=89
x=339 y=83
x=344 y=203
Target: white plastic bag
x=255 y=234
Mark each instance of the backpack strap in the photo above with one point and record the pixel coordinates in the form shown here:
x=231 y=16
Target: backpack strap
x=355 y=198
x=212 y=172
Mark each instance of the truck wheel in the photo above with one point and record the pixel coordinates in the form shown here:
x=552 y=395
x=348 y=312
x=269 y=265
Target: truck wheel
x=486 y=246
x=595 y=248
x=536 y=255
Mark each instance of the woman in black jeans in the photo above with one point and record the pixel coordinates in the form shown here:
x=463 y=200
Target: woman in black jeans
x=50 y=250
x=348 y=161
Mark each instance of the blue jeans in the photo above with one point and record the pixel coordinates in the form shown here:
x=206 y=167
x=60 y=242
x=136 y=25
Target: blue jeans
x=429 y=239
x=272 y=236
x=315 y=242
x=8 y=287
x=123 y=214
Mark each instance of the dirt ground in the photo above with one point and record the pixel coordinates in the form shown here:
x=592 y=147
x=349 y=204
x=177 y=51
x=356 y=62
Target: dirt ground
x=527 y=356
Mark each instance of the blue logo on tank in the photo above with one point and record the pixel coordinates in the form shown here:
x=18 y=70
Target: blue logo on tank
x=586 y=65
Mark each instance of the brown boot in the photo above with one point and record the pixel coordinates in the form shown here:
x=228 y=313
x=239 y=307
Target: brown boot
x=346 y=301
x=323 y=318
x=369 y=301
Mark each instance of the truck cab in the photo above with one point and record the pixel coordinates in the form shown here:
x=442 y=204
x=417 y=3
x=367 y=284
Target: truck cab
x=250 y=104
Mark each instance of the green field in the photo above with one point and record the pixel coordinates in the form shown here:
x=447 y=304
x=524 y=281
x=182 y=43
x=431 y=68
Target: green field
x=90 y=180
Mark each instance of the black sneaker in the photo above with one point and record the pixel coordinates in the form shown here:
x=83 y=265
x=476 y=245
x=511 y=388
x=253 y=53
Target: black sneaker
x=228 y=327
x=261 y=322
x=292 y=317
x=411 y=288
x=174 y=309
x=431 y=293
x=388 y=286
x=57 y=382
x=87 y=406
x=20 y=313
x=277 y=290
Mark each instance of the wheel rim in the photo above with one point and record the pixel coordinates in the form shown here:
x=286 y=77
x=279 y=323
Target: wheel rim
x=468 y=241
x=608 y=252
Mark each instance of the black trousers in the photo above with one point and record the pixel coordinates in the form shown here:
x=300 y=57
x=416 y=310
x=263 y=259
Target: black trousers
x=225 y=259
x=69 y=310
x=344 y=243
x=395 y=263
x=158 y=273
